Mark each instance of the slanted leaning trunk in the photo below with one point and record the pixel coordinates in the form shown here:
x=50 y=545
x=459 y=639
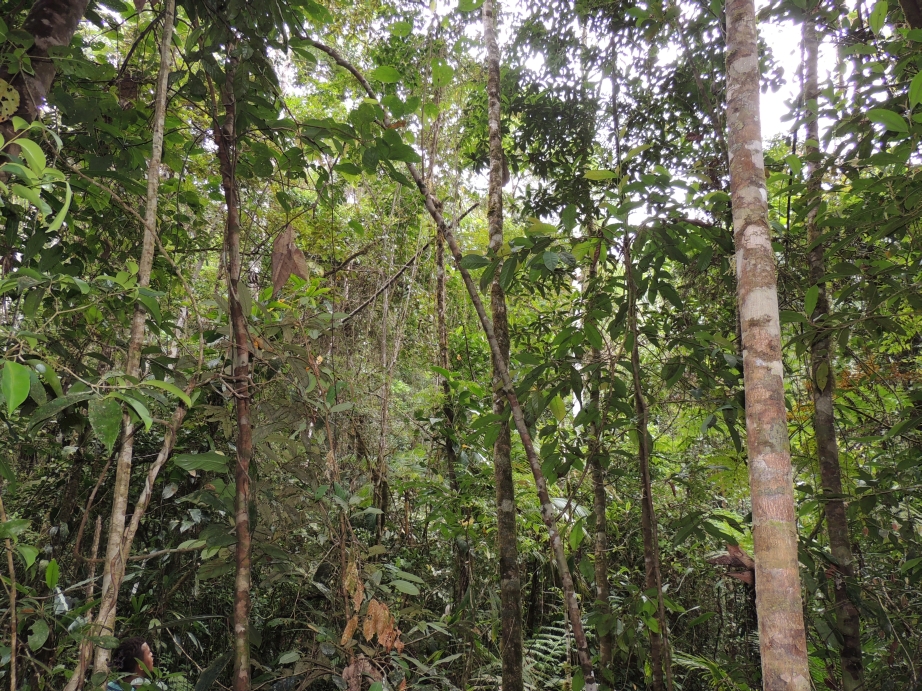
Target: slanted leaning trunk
x=225 y=135
x=782 y=639
x=507 y=548
x=116 y=554
x=659 y=641
x=823 y=374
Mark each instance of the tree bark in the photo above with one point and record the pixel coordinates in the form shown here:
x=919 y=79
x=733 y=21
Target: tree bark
x=823 y=379
x=506 y=542
x=782 y=638
x=912 y=11
x=52 y=23
x=659 y=643
x=600 y=496
x=116 y=553
x=225 y=136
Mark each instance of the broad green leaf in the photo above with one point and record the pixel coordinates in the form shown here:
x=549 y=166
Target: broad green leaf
x=106 y=420
x=701 y=619
x=795 y=164
x=405 y=587
x=577 y=535
x=52 y=574
x=14 y=384
x=33 y=155
x=469 y=5
x=171 y=388
x=910 y=564
x=28 y=554
x=386 y=74
x=400 y=29
x=442 y=73
x=13 y=527
x=878 y=16
x=209 y=462
x=39 y=634
x=289 y=657
x=210 y=675
x=915 y=90
x=52 y=408
x=59 y=217
x=558 y=409
x=810 y=298
x=473 y=261
x=892 y=121
x=138 y=408
x=600 y=174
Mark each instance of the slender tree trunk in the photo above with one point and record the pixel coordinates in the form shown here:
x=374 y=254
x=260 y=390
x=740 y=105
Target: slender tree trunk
x=14 y=619
x=600 y=496
x=659 y=642
x=506 y=543
x=782 y=639
x=114 y=568
x=823 y=375
x=225 y=136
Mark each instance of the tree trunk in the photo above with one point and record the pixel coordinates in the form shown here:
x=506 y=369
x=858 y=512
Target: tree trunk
x=659 y=642
x=225 y=137
x=823 y=376
x=510 y=583
x=116 y=553
x=52 y=23
x=600 y=496
x=912 y=11
x=782 y=639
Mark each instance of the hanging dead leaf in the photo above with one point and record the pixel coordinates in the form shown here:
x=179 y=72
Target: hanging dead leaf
x=287 y=259
x=352 y=583
x=139 y=5
x=9 y=100
x=354 y=673
x=351 y=626
x=128 y=92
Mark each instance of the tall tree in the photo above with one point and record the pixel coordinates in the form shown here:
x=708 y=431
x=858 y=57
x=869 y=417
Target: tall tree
x=823 y=376
x=117 y=546
x=506 y=545
x=225 y=135
x=782 y=639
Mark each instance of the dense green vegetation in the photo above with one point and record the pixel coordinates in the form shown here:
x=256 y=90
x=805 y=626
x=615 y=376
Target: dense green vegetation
x=285 y=263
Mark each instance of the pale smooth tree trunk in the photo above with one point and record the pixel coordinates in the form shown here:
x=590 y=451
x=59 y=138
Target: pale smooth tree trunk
x=507 y=548
x=779 y=604
x=225 y=135
x=659 y=641
x=823 y=375
x=116 y=553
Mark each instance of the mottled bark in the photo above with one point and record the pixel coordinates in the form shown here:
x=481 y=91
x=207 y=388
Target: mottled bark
x=659 y=643
x=823 y=375
x=506 y=544
x=11 y=594
x=116 y=548
x=912 y=11
x=225 y=136
x=52 y=23
x=782 y=639
x=600 y=496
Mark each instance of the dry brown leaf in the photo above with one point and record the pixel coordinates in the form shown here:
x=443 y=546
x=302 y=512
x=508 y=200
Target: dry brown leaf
x=354 y=673
x=353 y=585
x=9 y=100
x=351 y=626
x=287 y=259
x=139 y=5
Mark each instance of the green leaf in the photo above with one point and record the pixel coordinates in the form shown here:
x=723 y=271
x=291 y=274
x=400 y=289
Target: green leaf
x=558 y=409
x=106 y=420
x=442 y=73
x=13 y=527
x=59 y=217
x=138 y=408
x=33 y=155
x=39 y=634
x=209 y=462
x=915 y=90
x=386 y=74
x=577 y=535
x=52 y=408
x=469 y=5
x=600 y=174
x=289 y=657
x=400 y=29
x=878 y=16
x=52 y=574
x=210 y=675
x=795 y=164
x=593 y=336
x=822 y=375
x=28 y=553
x=551 y=260
x=405 y=587
x=892 y=121
x=473 y=261
x=701 y=619
x=170 y=388
x=376 y=686
x=910 y=564
x=812 y=295
x=14 y=384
